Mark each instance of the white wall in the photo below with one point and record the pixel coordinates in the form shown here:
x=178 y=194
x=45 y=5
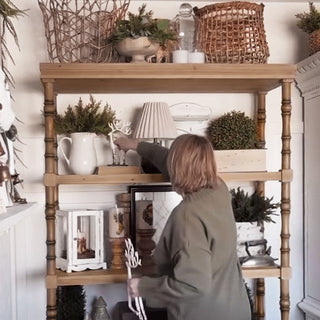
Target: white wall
x=287 y=44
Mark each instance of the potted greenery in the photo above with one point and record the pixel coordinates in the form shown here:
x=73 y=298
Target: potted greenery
x=253 y=208
x=82 y=123
x=250 y=213
x=309 y=22
x=235 y=140
x=141 y=35
x=89 y=118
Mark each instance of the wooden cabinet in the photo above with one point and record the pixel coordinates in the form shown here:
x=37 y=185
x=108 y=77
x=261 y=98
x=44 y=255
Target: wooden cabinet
x=165 y=78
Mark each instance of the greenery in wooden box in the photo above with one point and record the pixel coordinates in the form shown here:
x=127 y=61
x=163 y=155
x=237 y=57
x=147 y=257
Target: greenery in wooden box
x=235 y=140
x=233 y=130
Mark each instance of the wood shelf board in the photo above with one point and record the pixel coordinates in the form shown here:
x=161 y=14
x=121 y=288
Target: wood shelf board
x=261 y=272
x=50 y=179
x=92 y=277
x=157 y=78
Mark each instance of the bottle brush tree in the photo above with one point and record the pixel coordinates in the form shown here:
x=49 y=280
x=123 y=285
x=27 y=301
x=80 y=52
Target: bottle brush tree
x=71 y=301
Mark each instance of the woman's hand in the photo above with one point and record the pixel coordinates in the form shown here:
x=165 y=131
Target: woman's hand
x=132 y=285
x=125 y=143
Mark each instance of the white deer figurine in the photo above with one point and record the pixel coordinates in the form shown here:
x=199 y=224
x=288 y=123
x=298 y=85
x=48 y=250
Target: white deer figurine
x=117 y=129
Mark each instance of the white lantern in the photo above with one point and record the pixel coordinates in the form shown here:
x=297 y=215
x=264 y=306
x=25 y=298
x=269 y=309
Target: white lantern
x=79 y=240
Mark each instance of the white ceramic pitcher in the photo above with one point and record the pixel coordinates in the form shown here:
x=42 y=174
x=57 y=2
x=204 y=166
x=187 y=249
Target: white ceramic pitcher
x=82 y=158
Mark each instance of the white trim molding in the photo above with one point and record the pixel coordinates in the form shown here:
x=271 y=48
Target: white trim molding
x=308 y=76
x=311 y=308
x=308 y=81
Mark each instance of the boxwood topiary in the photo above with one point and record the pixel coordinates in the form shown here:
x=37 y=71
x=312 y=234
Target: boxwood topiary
x=233 y=130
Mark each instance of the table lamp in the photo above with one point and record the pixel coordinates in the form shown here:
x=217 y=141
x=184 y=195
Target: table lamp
x=155 y=123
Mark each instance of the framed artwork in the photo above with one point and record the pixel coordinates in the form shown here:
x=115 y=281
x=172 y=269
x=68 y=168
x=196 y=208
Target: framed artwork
x=151 y=206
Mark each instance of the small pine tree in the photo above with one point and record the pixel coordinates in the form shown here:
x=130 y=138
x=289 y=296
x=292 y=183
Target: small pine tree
x=71 y=303
x=89 y=118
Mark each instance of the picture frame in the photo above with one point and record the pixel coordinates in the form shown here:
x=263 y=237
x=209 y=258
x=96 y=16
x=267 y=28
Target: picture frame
x=164 y=200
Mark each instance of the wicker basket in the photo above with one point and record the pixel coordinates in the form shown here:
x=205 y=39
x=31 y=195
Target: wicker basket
x=314 y=42
x=232 y=32
x=76 y=30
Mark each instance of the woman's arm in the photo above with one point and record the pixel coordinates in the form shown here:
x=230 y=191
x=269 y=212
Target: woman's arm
x=152 y=152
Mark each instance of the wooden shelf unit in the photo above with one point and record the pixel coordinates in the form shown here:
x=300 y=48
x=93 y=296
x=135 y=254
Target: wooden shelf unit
x=93 y=78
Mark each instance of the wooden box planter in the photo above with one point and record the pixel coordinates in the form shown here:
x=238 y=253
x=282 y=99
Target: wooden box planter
x=241 y=160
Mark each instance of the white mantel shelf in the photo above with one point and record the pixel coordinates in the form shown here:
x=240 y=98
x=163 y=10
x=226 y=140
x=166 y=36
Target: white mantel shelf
x=308 y=76
x=15 y=214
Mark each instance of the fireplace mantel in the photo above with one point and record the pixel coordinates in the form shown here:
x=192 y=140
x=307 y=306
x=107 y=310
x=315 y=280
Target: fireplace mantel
x=308 y=82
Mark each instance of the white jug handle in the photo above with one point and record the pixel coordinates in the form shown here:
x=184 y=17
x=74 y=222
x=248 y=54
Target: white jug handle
x=61 y=149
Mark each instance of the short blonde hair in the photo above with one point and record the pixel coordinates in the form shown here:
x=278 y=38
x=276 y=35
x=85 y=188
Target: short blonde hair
x=191 y=164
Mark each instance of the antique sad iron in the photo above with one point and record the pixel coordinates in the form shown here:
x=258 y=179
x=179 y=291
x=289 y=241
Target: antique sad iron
x=262 y=259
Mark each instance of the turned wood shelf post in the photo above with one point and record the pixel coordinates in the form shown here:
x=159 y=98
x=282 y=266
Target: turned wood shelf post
x=285 y=199
x=51 y=192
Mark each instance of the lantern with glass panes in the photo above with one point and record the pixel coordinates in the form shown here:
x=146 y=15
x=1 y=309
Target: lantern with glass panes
x=79 y=240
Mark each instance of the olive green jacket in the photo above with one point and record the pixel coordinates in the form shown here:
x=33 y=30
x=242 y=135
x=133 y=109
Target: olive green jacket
x=199 y=276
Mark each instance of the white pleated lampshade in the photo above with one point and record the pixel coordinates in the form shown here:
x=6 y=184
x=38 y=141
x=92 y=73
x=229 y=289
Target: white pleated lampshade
x=156 y=122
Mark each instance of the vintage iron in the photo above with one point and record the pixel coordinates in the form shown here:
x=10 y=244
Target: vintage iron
x=262 y=259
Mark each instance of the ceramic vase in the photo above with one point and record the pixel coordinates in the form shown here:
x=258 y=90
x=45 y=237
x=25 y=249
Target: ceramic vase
x=138 y=48
x=82 y=157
